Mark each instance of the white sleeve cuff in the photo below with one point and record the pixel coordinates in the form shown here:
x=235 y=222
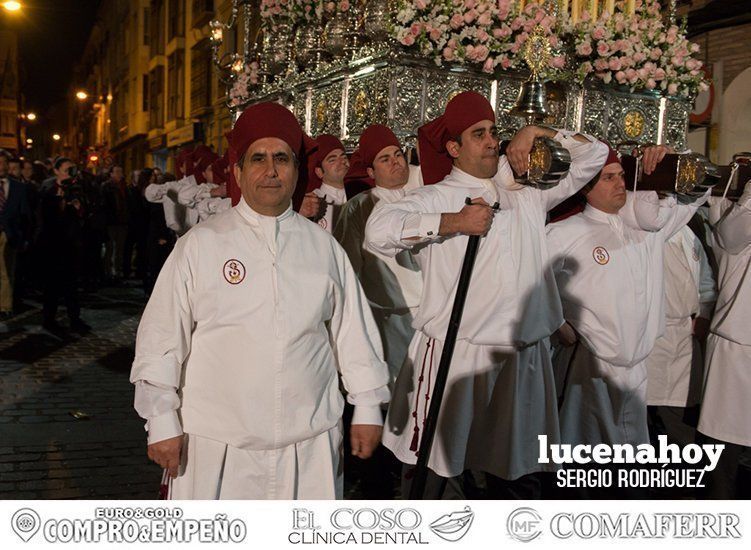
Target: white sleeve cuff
x=163 y=427
x=367 y=414
x=423 y=226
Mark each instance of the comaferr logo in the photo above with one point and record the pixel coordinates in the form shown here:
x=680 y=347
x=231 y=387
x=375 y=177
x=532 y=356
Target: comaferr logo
x=601 y=255
x=524 y=524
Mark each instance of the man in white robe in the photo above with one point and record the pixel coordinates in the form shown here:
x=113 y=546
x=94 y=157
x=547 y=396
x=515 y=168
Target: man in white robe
x=238 y=349
x=610 y=278
x=327 y=168
x=500 y=393
x=177 y=217
x=393 y=284
x=725 y=406
x=675 y=366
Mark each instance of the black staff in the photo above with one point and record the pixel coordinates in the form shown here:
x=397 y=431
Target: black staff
x=428 y=432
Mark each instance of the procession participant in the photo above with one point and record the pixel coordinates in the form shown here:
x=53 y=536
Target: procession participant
x=217 y=199
x=724 y=409
x=675 y=364
x=178 y=218
x=239 y=345
x=500 y=393
x=610 y=278
x=393 y=284
x=326 y=170
x=200 y=185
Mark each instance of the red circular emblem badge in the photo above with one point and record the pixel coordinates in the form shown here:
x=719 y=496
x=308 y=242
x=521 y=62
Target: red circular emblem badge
x=601 y=255
x=323 y=223
x=234 y=271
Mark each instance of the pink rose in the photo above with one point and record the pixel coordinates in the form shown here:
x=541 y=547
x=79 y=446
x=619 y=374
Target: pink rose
x=601 y=65
x=558 y=62
x=470 y=16
x=482 y=36
x=469 y=4
x=672 y=88
x=602 y=49
x=598 y=33
x=631 y=74
x=584 y=49
x=505 y=62
x=408 y=39
x=415 y=29
x=643 y=73
x=620 y=76
x=651 y=84
x=344 y=5
x=659 y=74
x=435 y=34
x=456 y=21
x=448 y=54
x=655 y=54
x=488 y=65
x=485 y=19
x=420 y=4
x=614 y=64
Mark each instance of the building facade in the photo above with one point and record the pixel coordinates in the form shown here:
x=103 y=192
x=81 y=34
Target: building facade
x=151 y=84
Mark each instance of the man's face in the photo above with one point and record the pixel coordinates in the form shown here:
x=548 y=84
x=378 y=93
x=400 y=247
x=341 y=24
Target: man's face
x=208 y=174
x=117 y=174
x=334 y=167
x=609 y=193
x=61 y=173
x=477 y=154
x=268 y=176
x=14 y=169
x=390 y=168
x=3 y=166
x=28 y=170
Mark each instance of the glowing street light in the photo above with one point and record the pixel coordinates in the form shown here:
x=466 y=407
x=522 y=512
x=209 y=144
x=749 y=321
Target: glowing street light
x=31 y=116
x=83 y=96
x=29 y=141
x=12 y=5
x=56 y=137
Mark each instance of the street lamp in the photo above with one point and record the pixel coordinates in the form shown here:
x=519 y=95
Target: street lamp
x=56 y=137
x=80 y=94
x=29 y=141
x=31 y=116
x=12 y=5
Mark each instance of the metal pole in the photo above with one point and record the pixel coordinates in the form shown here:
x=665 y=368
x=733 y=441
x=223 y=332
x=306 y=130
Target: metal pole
x=417 y=487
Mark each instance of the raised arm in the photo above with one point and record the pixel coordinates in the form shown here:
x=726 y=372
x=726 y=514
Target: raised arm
x=733 y=230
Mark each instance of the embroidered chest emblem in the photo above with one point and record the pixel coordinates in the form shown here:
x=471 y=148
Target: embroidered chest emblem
x=323 y=223
x=696 y=254
x=601 y=255
x=234 y=271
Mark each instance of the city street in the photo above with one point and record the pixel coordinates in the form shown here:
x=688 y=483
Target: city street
x=46 y=381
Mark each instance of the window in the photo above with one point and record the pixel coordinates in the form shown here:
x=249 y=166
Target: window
x=146 y=26
x=156 y=33
x=175 y=85
x=145 y=93
x=200 y=76
x=175 y=19
x=203 y=11
x=156 y=97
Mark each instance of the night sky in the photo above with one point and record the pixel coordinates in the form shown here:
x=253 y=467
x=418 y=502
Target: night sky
x=52 y=35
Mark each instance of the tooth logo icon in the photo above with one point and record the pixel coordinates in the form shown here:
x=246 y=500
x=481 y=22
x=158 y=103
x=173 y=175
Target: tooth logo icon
x=25 y=523
x=454 y=526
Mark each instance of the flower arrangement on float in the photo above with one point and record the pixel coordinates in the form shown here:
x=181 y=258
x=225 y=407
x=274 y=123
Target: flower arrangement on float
x=638 y=51
x=239 y=93
x=298 y=12
x=482 y=32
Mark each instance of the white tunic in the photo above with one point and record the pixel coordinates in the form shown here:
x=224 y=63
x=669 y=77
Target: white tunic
x=675 y=365
x=177 y=217
x=500 y=393
x=249 y=318
x=725 y=407
x=334 y=198
x=610 y=277
x=393 y=284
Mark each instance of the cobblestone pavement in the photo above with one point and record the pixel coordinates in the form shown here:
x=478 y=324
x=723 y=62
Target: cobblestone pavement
x=45 y=378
